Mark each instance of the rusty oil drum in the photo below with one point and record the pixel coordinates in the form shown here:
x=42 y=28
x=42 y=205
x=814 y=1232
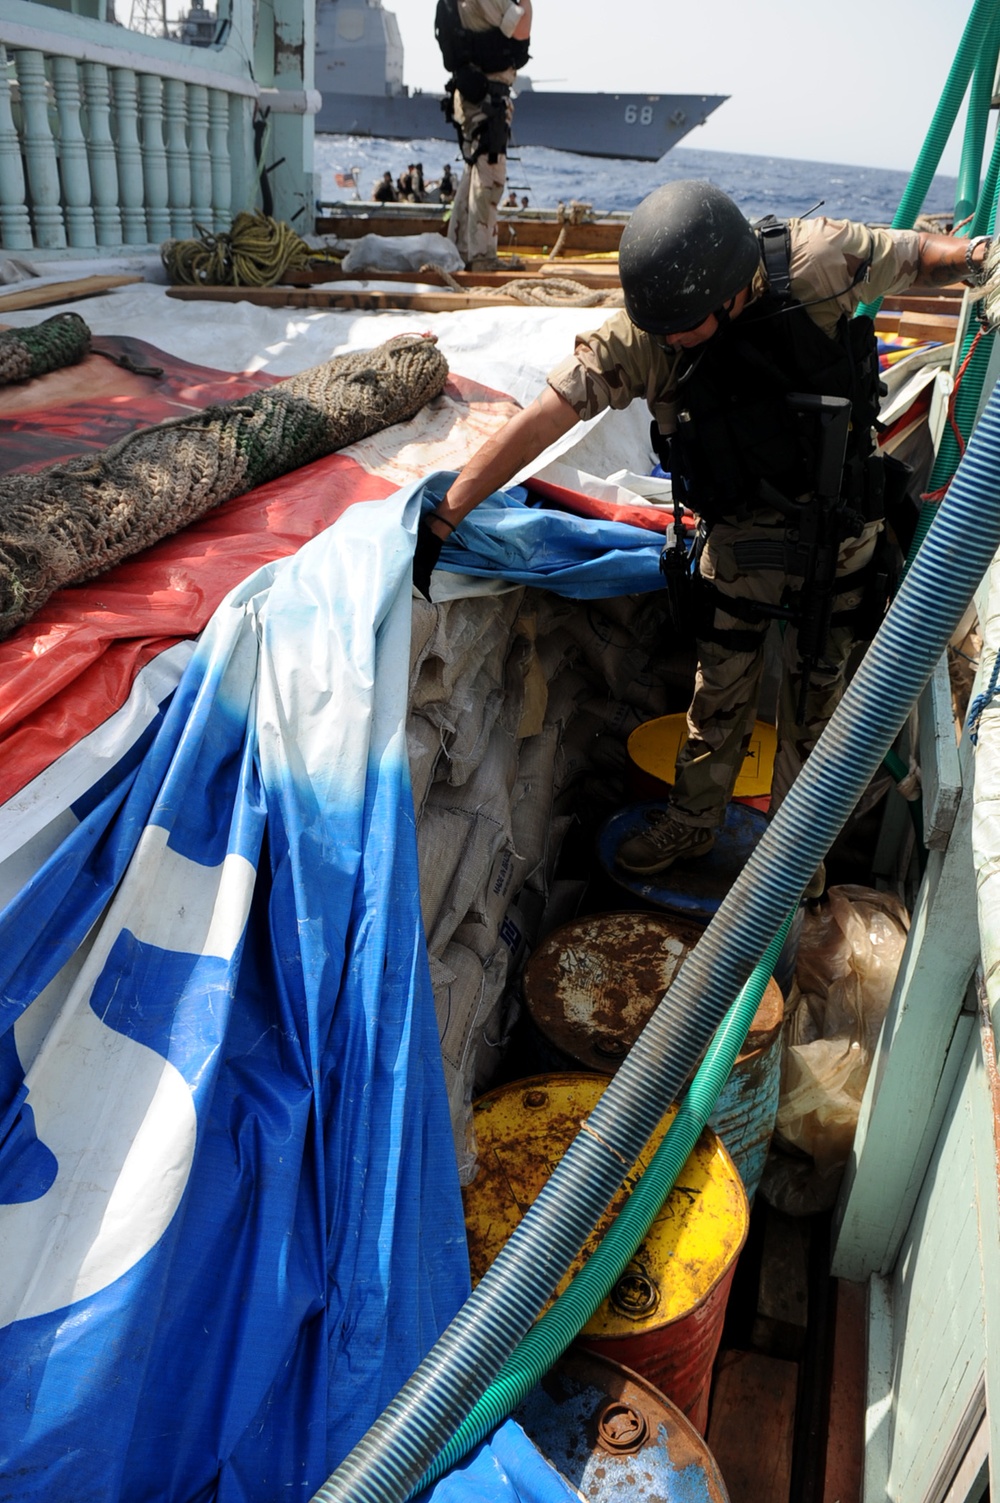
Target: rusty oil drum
x=591 y=987
x=613 y=1436
x=664 y=1317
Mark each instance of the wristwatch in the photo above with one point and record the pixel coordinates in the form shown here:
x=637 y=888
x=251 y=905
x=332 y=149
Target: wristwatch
x=975 y=276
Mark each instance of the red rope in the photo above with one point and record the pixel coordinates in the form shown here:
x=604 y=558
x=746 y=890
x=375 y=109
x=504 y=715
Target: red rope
x=942 y=491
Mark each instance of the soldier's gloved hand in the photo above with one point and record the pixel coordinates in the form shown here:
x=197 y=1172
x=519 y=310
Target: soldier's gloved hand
x=425 y=556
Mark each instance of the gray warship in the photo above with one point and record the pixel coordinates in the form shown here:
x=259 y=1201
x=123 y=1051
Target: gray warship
x=359 y=73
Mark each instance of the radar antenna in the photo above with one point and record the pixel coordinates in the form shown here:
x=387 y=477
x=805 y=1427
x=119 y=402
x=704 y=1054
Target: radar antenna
x=149 y=17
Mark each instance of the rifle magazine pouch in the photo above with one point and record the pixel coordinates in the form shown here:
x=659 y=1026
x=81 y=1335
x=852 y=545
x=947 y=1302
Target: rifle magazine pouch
x=471 y=83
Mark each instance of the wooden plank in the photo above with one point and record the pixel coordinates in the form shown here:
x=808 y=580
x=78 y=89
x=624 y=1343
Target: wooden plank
x=906 y=1096
x=940 y=774
x=751 y=1426
x=779 y=1327
x=939 y=1341
x=929 y=326
x=878 y=1398
x=583 y=273
x=60 y=292
x=941 y=300
x=515 y=234
x=321 y=297
x=986 y=1154
x=846 y=1431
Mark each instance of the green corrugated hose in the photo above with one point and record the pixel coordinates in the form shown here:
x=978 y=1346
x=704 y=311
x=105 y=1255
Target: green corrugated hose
x=977 y=28
x=977 y=116
x=552 y=1334
x=969 y=392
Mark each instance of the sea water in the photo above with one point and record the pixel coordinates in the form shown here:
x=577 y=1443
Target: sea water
x=760 y=185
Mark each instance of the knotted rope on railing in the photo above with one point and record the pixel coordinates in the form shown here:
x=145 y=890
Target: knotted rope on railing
x=40 y=348
x=74 y=520
x=256 y=252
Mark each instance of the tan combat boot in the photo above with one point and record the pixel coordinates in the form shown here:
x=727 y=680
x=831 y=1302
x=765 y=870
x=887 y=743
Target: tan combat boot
x=665 y=840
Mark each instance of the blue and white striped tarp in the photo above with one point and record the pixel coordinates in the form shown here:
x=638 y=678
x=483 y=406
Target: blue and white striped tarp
x=230 y=1223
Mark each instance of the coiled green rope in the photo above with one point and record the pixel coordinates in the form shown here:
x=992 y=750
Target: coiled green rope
x=257 y=252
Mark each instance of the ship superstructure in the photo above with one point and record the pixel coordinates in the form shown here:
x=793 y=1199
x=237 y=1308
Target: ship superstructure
x=359 y=72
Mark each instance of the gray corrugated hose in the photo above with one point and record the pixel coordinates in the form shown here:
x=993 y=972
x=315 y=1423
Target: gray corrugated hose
x=402 y=1443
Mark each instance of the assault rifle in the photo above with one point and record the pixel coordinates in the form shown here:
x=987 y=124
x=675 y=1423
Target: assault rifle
x=823 y=524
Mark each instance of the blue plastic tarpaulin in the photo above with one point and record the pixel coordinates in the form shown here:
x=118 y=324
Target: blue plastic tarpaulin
x=230 y=1222
x=586 y=558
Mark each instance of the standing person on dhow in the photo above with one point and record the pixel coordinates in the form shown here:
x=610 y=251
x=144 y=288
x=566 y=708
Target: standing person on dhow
x=741 y=340
x=483 y=43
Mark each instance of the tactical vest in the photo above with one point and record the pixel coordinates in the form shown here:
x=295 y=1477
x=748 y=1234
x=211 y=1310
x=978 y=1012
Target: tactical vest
x=489 y=51
x=740 y=446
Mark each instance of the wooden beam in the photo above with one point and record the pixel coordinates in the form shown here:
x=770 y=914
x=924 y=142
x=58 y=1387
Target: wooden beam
x=324 y=297
x=751 y=1428
x=940 y=326
x=846 y=1429
x=59 y=292
x=878 y=1397
x=941 y=776
x=910 y=1082
x=515 y=233
x=586 y=274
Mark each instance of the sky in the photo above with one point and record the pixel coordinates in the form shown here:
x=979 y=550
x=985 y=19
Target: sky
x=804 y=80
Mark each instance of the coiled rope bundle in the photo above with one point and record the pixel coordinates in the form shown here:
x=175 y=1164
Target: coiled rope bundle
x=48 y=346
x=257 y=252
x=72 y=521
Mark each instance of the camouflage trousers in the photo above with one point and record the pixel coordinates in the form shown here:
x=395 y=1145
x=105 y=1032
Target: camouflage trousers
x=727 y=683
x=473 y=222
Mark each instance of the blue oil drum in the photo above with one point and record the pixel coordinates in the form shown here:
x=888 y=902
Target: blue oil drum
x=745 y=1112
x=693 y=888
x=613 y=1436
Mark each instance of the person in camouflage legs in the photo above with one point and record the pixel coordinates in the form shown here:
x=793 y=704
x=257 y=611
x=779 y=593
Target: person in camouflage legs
x=483 y=42
x=723 y=323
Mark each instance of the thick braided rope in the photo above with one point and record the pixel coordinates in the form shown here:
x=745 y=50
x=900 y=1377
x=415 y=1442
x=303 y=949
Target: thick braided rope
x=48 y=346
x=552 y=292
x=72 y=521
x=257 y=252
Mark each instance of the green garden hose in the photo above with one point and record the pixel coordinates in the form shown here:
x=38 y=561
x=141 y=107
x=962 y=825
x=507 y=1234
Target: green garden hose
x=552 y=1334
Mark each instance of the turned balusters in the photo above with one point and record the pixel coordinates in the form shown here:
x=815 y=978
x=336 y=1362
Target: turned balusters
x=15 y=226
x=101 y=152
x=74 y=168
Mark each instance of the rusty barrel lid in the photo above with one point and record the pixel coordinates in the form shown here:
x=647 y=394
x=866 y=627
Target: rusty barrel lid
x=612 y=1435
x=592 y=985
x=522 y=1131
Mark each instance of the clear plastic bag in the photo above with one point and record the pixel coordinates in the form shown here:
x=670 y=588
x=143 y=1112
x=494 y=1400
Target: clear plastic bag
x=849 y=953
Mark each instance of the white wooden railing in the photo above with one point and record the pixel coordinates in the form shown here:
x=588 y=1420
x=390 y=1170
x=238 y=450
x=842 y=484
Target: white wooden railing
x=113 y=139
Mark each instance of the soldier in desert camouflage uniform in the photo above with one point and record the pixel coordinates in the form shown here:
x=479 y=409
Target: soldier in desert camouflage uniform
x=690 y=288
x=483 y=125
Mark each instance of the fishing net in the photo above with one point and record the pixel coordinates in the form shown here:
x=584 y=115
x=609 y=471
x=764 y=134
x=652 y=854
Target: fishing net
x=72 y=521
x=59 y=341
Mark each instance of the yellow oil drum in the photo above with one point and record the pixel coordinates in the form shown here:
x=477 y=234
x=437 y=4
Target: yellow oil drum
x=664 y=1317
x=653 y=748
x=591 y=987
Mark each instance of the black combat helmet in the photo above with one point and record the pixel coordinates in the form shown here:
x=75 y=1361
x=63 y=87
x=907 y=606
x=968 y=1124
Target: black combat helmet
x=686 y=250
